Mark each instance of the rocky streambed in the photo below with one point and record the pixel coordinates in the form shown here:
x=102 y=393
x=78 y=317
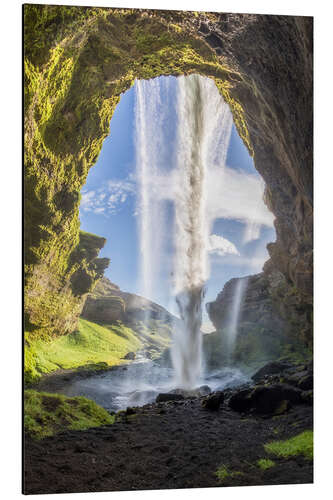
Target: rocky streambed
x=182 y=442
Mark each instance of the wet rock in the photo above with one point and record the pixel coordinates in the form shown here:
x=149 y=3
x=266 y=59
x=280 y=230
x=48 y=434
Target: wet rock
x=213 y=401
x=130 y=411
x=303 y=380
x=294 y=378
x=167 y=396
x=241 y=400
x=268 y=399
x=306 y=383
x=309 y=367
x=282 y=407
x=130 y=356
x=307 y=397
x=203 y=390
x=270 y=369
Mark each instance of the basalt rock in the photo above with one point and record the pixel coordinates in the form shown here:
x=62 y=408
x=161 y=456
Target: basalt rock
x=268 y=399
x=213 y=401
x=241 y=400
x=203 y=390
x=164 y=397
x=78 y=61
x=272 y=322
x=270 y=369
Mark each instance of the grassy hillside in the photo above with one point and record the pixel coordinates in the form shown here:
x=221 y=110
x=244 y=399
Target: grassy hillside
x=91 y=346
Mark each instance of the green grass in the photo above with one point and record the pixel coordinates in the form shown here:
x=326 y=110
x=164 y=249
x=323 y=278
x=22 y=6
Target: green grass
x=48 y=414
x=91 y=345
x=265 y=463
x=302 y=444
x=223 y=473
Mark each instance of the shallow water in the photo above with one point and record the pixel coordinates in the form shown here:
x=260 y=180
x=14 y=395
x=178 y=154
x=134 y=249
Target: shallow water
x=140 y=382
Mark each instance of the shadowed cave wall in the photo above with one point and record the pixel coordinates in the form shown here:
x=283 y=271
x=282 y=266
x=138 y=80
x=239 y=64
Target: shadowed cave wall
x=77 y=63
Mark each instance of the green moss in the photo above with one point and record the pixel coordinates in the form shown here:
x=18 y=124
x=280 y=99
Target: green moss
x=265 y=463
x=302 y=444
x=48 y=414
x=223 y=473
x=92 y=345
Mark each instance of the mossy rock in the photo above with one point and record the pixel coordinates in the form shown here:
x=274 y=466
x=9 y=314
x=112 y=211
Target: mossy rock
x=49 y=414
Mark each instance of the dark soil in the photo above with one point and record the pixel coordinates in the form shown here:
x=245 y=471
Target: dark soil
x=177 y=444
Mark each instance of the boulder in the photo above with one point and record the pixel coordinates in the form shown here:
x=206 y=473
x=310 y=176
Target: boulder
x=241 y=400
x=203 y=390
x=306 y=383
x=213 y=401
x=270 y=369
x=268 y=399
x=307 y=397
x=130 y=411
x=167 y=396
x=130 y=356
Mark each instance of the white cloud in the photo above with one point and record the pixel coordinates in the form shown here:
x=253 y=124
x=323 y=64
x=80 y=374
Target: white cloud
x=254 y=264
x=230 y=194
x=108 y=199
x=221 y=246
x=234 y=194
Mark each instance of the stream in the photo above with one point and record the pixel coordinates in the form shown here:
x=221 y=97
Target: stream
x=140 y=382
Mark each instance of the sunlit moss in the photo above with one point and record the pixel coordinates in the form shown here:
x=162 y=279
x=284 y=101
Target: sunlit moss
x=223 y=473
x=91 y=345
x=48 y=414
x=265 y=463
x=302 y=444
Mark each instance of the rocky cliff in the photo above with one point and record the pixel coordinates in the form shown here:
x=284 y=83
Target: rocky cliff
x=272 y=320
x=77 y=63
x=107 y=304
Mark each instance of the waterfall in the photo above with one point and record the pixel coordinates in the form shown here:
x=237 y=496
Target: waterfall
x=149 y=147
x=237 y=301
x=201 y=141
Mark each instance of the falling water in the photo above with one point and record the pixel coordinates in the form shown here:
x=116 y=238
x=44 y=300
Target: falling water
x=149 y=148
x=202 y=138
x=204 y=127
x=190 y=232
x=232 y=329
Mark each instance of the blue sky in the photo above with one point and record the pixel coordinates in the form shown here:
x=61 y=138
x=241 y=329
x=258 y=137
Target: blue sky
x=109 y=205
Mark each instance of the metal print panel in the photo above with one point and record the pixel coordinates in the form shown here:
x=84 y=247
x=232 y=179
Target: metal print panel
x=168 y=249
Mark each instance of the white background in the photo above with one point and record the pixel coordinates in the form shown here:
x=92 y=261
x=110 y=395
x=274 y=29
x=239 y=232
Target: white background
x=11 y=252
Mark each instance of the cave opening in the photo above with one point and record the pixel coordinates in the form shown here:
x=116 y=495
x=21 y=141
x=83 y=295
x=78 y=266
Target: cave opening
x=134 y=197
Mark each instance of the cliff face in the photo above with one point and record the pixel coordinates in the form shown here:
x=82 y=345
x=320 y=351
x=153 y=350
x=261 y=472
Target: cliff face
x=108 y=304
x=53 y=304
x=77 y=63
x=272 y=320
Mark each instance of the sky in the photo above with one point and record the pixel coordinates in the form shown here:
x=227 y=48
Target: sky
x=109 y=205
